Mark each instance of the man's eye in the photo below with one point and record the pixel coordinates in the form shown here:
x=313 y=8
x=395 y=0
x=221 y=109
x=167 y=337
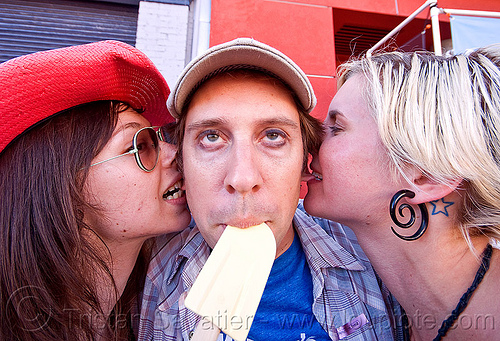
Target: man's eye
x=273 y=136
x=212 y=137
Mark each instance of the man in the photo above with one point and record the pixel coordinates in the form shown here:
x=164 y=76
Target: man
x=244 y=133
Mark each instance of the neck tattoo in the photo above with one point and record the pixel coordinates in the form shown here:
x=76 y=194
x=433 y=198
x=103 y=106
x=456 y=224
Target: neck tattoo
x=462 y=304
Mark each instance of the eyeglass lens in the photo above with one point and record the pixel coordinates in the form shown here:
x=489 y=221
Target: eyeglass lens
x=168 y=133
x=148 y=149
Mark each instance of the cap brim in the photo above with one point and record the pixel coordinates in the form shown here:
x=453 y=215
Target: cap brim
x=243 y=53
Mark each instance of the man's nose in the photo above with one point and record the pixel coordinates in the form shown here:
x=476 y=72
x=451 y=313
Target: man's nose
x=243 y=170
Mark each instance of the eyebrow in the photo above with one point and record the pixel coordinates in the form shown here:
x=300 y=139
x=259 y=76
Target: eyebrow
x=128 y=125
x=221 y=121
x=333 y=114
x=280 y=121
x=205 y=124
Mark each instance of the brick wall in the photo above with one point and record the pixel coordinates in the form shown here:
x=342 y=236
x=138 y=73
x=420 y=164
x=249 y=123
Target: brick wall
x=162 y=34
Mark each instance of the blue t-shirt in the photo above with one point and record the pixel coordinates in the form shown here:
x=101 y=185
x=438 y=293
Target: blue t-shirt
x=285 y=310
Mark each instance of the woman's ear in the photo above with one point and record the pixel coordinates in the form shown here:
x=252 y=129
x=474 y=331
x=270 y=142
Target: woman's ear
x=429 y=189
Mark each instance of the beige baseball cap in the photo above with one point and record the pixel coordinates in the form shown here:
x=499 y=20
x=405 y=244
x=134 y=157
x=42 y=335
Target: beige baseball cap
x=241 y=53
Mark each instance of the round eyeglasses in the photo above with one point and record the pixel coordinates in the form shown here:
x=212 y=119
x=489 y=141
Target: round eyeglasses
x=145 y=147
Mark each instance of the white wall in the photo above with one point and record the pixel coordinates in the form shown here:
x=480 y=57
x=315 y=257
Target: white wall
x=162 y=33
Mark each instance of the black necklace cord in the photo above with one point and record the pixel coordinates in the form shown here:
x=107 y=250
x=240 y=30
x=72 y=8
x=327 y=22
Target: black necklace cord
x=464 y=300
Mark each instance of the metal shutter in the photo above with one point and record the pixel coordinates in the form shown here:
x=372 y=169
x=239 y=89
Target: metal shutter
x=28 y=26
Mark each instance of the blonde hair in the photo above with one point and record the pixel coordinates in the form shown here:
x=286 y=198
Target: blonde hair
x=441 y=115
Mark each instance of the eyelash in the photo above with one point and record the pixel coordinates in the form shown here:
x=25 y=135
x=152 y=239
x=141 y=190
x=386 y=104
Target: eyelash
x=335 y=129
x=209 y=132
x=275 y=132
x=205 y=143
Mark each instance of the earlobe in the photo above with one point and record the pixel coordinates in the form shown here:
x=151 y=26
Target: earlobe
x=306 y=176
x=427 y=189
x=397 y=210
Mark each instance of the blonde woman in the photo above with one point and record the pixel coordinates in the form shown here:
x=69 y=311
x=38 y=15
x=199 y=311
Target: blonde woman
x=411 y=162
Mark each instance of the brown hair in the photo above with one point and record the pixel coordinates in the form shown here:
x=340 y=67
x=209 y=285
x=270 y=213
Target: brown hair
x=310 y=127
x=46 y=266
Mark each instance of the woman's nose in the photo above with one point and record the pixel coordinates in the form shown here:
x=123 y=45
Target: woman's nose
x=167 y=154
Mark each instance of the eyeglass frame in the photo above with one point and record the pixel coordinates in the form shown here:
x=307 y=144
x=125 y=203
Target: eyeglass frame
x=158 y=131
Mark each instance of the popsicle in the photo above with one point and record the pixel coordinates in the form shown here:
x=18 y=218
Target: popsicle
x=228 y=289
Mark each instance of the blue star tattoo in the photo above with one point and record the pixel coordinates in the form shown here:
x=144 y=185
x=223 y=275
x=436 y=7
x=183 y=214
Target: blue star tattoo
x=444 y=210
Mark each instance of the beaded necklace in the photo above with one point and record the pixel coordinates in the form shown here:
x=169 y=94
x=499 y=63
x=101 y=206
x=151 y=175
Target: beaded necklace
x=462 y=304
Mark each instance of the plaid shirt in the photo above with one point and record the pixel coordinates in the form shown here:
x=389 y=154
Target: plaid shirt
x=345 y=286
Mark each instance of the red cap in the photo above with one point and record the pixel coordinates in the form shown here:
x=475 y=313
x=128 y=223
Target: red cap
x=36 y=86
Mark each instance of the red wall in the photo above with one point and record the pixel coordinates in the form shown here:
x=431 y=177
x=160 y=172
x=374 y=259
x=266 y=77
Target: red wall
x=302 y=32
x=305 y=29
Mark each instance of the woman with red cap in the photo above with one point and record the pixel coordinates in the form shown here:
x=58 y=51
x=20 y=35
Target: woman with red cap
x=85 y=181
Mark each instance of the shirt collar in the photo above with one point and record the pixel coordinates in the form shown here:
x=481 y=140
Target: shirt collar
x=321 y=249
x=194 y=253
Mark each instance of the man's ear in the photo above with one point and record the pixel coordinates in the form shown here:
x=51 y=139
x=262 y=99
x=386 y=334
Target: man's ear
x=429 y=189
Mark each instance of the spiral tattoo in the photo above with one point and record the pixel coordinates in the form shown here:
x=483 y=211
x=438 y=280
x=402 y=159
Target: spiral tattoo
x=423 y=210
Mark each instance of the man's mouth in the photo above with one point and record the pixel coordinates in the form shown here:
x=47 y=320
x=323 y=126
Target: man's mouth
x=243 y=224
x=174 y=192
